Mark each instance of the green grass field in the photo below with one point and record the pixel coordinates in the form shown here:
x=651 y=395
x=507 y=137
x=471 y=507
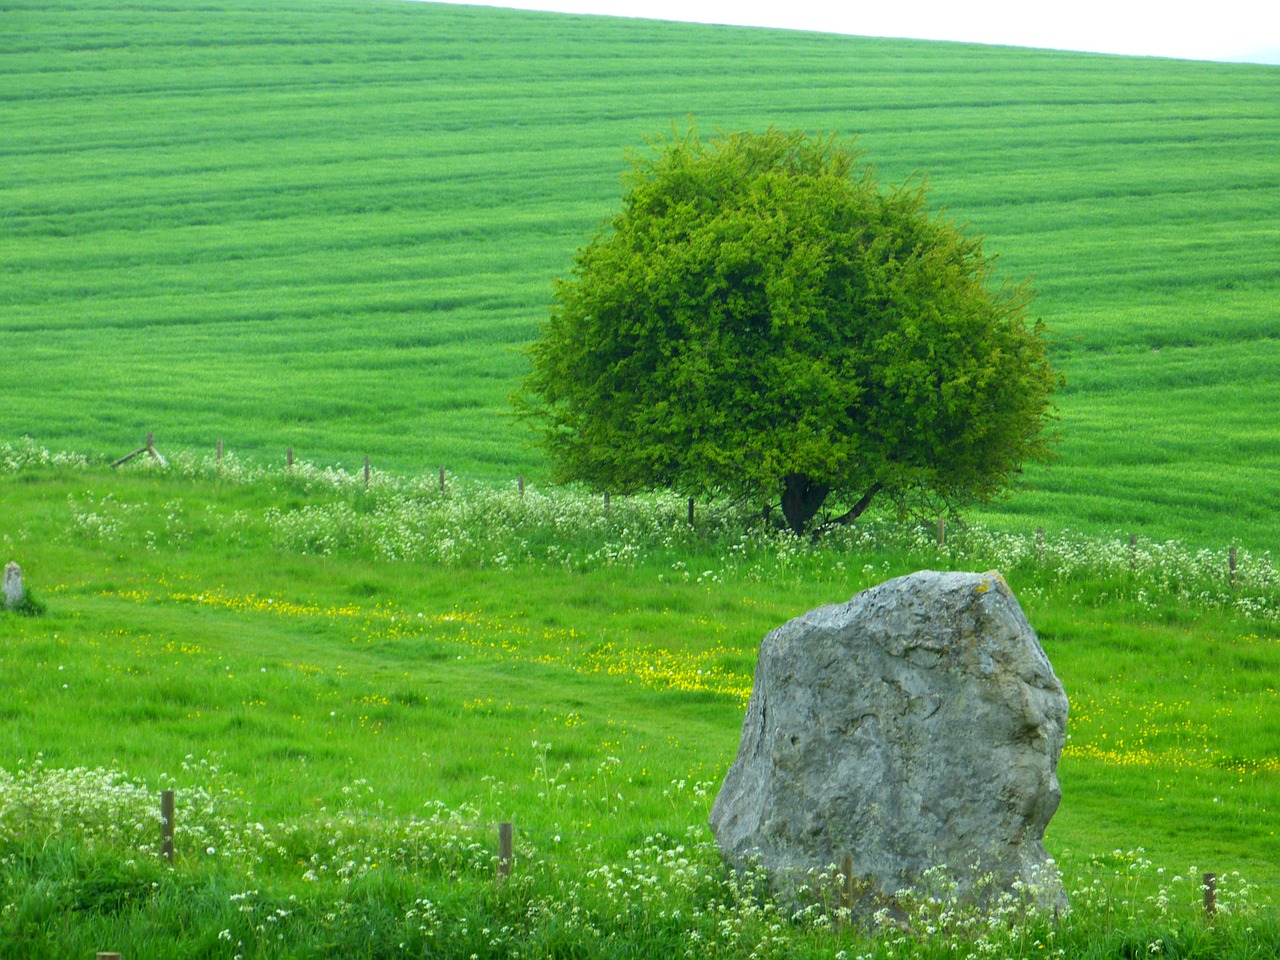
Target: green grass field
x=331 y=224
x=377 y=678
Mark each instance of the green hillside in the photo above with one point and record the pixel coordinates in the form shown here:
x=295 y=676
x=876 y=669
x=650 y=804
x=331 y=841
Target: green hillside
x=330 y=224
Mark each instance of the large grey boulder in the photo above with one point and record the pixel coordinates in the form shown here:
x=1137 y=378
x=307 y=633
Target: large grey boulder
x=916 y=727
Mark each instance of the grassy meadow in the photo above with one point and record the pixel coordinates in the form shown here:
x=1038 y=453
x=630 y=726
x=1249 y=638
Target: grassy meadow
x=331 y=224
x=349 y=688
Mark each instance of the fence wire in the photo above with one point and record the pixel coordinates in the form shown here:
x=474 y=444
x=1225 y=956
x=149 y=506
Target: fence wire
x=565 y=849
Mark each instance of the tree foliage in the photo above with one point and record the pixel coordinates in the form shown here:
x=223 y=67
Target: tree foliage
x=764 y=319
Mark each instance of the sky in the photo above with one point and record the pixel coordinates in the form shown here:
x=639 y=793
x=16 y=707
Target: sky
x=1237 y=30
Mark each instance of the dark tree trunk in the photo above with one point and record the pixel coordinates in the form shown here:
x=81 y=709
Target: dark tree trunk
x=802 y=498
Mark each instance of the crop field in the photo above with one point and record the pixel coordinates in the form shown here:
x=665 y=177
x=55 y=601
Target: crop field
x=330 y=225
x=348 y=688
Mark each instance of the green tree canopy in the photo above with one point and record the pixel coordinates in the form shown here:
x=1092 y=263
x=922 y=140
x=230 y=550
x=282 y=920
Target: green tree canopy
x=763 y=319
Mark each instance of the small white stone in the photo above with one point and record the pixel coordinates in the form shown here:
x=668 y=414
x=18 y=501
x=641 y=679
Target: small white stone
x=12 y=585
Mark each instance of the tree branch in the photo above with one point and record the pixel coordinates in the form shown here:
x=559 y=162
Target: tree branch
x=853 y=512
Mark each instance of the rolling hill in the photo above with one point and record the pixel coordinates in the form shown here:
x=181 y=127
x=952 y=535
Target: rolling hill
x=331 y=224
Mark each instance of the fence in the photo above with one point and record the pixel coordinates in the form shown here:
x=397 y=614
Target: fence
x=504 y=859
x=588 y=854
x=149 y=449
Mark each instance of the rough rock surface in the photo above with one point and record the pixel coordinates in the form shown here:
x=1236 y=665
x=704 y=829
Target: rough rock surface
x=917 y=726
x=11 y=586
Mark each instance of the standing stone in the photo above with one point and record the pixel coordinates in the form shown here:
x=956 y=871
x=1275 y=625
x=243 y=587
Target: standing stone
x=916 y=727
x=11 y=586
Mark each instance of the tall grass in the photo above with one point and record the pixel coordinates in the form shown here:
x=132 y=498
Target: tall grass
x=426 y=886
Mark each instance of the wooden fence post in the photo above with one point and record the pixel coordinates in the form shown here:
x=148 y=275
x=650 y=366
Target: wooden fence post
x=166 y=824
x=219 y=453
x=148 y=448
x=520 y=486
x=1133 y=551
x=942 y=530
x=442 y=479
x=1231 y=565
x=366 y=471
x=1210 y=887
x=606 y=501
x=505 y=849
x=102 y=955
x=288 y=458
x=691 y=511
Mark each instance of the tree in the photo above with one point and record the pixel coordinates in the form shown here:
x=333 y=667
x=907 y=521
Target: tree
x=763 y=319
